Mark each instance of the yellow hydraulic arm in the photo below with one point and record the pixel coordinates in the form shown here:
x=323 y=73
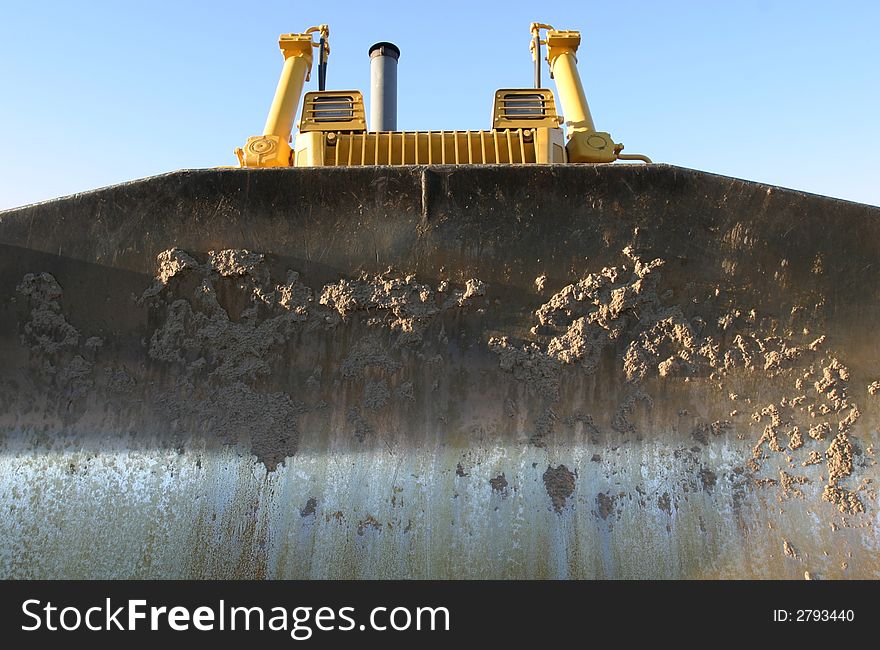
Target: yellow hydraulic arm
x=272 y=149
x=585 y=143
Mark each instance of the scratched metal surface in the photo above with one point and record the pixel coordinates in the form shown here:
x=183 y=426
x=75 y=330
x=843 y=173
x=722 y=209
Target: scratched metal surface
x=556 y=372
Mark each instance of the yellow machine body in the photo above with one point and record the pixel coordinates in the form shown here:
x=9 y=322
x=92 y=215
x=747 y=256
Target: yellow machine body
x=333 y=132
x=526 y=124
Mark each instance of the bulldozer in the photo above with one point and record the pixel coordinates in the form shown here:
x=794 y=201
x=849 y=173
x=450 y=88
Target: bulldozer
x=504 y=353
x=332 y=130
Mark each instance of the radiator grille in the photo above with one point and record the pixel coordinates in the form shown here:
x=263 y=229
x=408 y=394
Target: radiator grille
x=513 y=146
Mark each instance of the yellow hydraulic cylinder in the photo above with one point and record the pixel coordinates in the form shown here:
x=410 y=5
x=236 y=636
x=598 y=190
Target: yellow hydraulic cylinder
x=297 y=49
x=585 y=144
x=272 y=149
x=562 y=47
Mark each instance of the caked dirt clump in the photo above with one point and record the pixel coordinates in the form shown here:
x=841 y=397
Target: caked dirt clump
x=560 y=483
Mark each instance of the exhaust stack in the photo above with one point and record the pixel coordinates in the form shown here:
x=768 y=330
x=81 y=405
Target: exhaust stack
x=383 y=86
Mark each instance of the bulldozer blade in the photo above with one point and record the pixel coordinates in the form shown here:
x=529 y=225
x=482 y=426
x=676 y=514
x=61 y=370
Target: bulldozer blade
x=554 y=371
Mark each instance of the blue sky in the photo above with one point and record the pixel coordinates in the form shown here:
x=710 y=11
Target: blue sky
x=98 y=92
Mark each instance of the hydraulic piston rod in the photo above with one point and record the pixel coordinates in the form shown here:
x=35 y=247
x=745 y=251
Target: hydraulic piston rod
x=585 y=144
x=272 y=149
